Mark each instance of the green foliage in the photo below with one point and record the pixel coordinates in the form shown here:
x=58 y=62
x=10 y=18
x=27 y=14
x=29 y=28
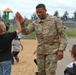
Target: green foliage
x=27 y=22
x=11 y=29
x=30 y=36
x=56 y=14
x=71 y=32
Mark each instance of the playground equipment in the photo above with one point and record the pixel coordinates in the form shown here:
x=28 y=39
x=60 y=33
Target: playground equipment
x=6 y=15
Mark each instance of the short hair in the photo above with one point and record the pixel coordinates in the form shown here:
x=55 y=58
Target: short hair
x=73 y=51
x=1 y=24
x=41 y=6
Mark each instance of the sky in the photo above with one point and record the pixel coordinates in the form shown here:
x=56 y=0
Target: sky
x=27 y=7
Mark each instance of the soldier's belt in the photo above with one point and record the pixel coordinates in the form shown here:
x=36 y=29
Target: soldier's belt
x=53 y=42
x=49 y=53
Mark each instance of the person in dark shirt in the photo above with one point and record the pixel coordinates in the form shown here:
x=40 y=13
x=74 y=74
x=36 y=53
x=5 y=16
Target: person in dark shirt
x=71 y=67
x=5 y=48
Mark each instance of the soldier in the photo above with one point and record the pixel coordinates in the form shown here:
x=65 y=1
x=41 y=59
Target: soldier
x=51 y=38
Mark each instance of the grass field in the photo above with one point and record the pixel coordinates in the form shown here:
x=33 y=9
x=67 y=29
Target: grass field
x=69 y=32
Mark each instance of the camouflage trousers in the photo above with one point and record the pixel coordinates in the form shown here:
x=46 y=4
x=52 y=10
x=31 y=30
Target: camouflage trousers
x=47 y=64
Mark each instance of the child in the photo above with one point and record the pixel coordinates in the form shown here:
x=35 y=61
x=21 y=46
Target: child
x=5 y=48
x=71 y=68
x=16 y=49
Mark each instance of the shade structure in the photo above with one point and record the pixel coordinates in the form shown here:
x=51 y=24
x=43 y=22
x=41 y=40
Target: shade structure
x=8 y=10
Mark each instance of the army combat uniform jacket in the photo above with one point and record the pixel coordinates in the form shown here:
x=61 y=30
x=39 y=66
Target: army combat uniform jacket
x=50 y=34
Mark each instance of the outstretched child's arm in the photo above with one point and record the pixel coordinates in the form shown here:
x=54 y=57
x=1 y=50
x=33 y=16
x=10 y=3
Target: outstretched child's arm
x=19 y=29
x=21 y=46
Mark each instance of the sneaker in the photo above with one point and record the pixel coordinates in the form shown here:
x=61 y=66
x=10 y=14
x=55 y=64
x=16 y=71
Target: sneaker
x=17 y=59
x=35 y=61
x=36 y=73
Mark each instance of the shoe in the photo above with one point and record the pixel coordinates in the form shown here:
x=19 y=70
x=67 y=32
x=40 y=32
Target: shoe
x=36 y=73
x=35 y=61
x=12 y=63
x=17 y=59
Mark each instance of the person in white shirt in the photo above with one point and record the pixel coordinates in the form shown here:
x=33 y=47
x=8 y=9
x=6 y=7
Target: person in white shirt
x=71 y=67
x=16 y=49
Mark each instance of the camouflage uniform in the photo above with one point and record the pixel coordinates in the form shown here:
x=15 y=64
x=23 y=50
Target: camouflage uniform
x=51 y=37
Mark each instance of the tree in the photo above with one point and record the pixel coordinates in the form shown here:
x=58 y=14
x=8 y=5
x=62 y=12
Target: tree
x=34 y=16
x=65 y=16
x=75 y=15
x=56 y=14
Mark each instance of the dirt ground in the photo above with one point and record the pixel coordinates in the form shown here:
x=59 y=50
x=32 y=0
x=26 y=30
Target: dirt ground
x=26 y=65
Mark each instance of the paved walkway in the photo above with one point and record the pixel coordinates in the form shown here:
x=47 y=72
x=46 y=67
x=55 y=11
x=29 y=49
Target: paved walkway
x=67 y=58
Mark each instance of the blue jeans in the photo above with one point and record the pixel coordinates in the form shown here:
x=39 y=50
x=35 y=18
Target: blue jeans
x=15 y=55
x=5 y=67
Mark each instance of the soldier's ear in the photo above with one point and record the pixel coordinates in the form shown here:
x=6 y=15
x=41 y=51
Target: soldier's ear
x=45 y=10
